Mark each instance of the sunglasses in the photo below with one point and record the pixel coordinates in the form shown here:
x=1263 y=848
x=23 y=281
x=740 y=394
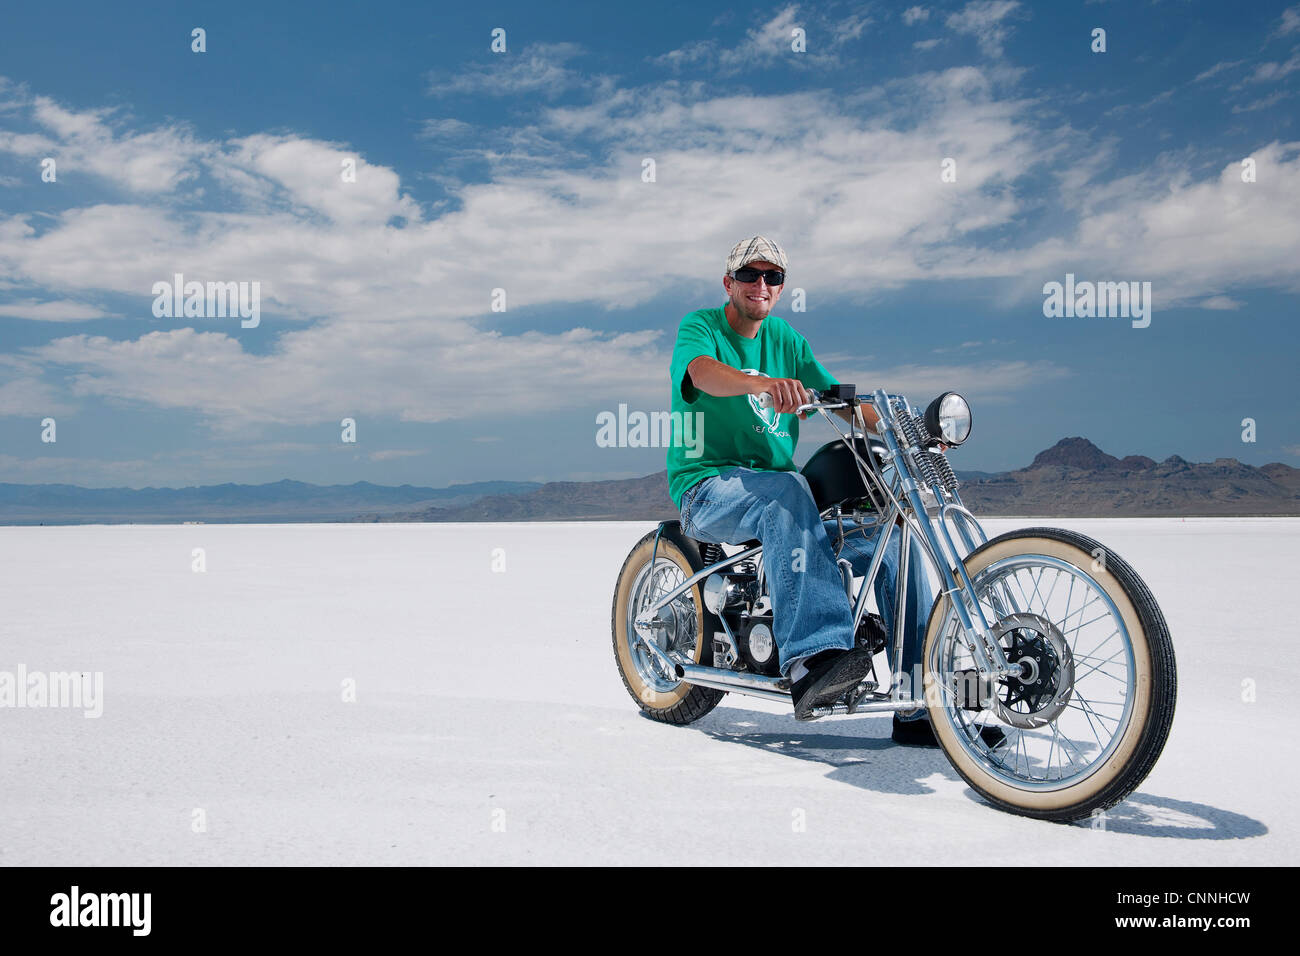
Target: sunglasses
x=770 y=276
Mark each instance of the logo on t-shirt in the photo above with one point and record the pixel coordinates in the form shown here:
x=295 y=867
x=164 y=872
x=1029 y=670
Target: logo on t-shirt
x=770 y=417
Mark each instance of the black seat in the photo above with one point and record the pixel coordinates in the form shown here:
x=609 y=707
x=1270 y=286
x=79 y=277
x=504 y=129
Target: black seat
x=743 y=545
x=674 y=526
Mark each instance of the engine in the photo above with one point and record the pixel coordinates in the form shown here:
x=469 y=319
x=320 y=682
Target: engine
x=739 y=599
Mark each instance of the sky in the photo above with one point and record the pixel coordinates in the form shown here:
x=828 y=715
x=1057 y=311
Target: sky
x=471 y=253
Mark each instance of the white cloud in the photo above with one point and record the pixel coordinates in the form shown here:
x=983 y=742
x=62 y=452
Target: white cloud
x=1218 y=68
x=311 y=174
x=53 y=311
x=1268 y=72
x=1264 y=102
x=1220 y=302
x=915 y=15
x=985 y=381
x=153 y=162
x=769 y=39
x=697 y=51
x=184 y=467
x=437 y=128
x=983 y=19
x=415 y=372
x=390 y=454
x=402 y=324
x=539 y=68
x=1193 y=238
x=772 y=40
x=1290 y=22
x=31 y=397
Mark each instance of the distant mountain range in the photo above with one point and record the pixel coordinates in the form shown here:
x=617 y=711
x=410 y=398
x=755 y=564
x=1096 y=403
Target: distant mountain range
x=274 y=502
x=1073 y=478
x=626 y=499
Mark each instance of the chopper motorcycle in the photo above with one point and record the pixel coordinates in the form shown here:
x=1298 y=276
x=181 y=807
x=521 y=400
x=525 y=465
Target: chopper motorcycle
x=1047 y=668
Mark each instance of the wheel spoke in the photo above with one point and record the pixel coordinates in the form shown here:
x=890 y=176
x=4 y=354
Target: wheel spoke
x=1057 y=738
x=1091 y=657
x=1021 y=586
x=1036 y=582
x=1055 y=581
x=1081 y=609
x=1067 y=741
x=1086 y=707
x=1087 y=714
x=1097 y=668
x=1093 y=621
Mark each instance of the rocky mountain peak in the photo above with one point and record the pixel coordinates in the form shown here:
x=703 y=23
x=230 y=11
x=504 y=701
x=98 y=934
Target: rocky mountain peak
x=1075 y=453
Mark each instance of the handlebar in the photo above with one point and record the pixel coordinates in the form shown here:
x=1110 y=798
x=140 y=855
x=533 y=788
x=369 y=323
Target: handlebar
x=837 y=396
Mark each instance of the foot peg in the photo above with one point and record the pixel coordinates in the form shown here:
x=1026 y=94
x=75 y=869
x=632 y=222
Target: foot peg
x=855 y=696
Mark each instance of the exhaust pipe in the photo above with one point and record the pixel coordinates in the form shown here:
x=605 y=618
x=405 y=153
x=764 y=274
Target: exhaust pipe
x=755 y=685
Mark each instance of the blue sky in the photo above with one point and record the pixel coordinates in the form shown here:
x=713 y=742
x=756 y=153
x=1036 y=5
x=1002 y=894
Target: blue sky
x=523 y=171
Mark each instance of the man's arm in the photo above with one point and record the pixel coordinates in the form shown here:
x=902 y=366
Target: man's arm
x=722 y=381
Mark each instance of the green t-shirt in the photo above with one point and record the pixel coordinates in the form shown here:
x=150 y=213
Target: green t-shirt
x=712 y=434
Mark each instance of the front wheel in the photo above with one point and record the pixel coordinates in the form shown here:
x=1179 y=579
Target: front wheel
x=1089 y=714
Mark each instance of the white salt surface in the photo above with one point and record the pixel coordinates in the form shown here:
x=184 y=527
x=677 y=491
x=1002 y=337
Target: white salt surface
x=490 y=724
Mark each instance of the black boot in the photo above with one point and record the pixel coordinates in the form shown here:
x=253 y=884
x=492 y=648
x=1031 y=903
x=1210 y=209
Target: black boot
x=831 y=674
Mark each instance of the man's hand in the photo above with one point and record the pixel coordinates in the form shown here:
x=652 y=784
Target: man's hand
x=787 y=393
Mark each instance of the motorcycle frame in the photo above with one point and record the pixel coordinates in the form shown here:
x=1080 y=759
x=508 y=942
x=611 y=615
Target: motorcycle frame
x=926 y=511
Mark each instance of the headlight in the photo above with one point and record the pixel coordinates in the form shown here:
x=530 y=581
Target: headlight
x=948 y=418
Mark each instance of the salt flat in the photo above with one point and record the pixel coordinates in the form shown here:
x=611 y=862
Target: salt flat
x=490 y=725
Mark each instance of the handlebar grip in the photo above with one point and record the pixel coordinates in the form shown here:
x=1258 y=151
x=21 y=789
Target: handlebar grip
x=765 y=398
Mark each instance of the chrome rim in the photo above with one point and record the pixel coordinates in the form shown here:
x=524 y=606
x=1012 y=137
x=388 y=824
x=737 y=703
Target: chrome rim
x=677 y=637
x=1068 y=731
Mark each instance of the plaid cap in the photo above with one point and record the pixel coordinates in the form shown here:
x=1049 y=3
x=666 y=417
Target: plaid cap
x=753 y=249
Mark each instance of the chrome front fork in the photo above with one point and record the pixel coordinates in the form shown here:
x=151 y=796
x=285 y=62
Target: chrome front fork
x=959 y=588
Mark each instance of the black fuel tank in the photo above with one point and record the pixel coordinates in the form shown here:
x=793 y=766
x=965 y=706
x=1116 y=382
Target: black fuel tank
x=833 y=475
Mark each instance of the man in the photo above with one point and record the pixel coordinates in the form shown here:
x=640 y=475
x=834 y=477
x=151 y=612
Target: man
x=743 y=484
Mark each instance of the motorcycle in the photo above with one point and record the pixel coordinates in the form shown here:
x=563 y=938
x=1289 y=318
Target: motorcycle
x=1047 y=668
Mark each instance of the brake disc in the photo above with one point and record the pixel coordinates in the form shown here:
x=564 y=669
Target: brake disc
x=1046 y=681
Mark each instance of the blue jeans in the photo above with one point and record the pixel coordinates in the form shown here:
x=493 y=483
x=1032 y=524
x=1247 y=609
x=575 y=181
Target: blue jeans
x=811 y=611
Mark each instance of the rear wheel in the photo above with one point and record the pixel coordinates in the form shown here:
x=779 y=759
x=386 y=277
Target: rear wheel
x=1090 y=712
x=639 y=586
